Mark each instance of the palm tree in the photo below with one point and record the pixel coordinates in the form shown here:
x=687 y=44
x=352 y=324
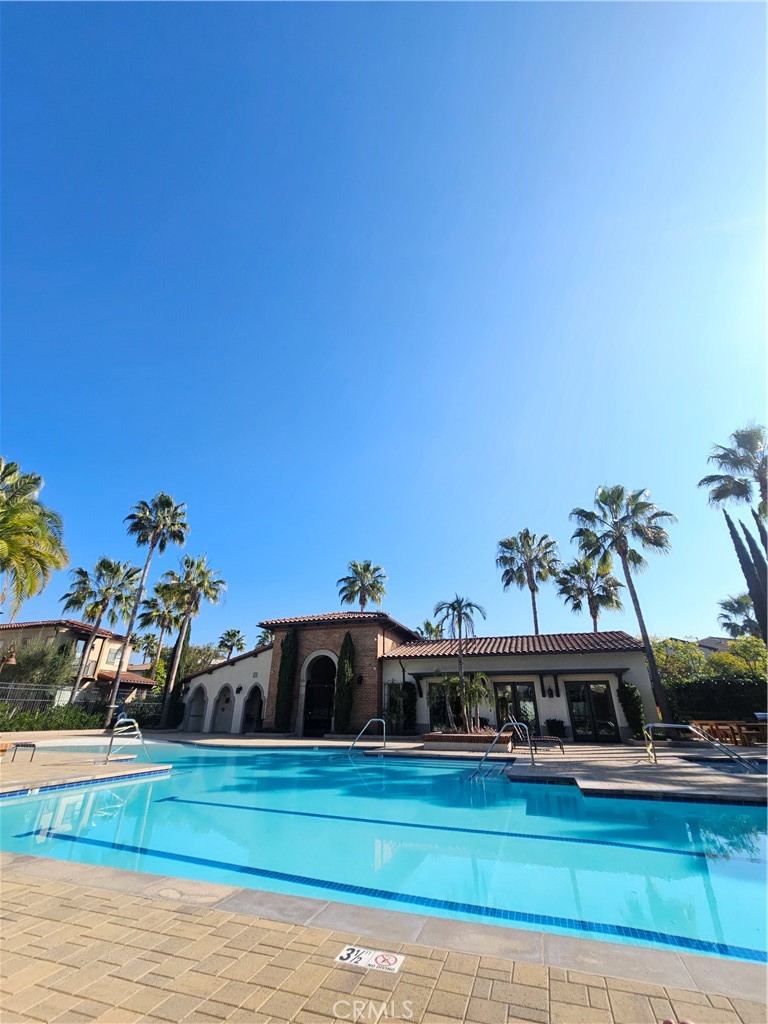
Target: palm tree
x=154 y=524
x=744 y=465
x=582 y=583
x=148 y=645
x=265 y=637
x=232 y=640
x=430 y=630
x=458 y=615
x=365 y=583
x=738 y=616
x=105 y=593
x=621 y=518
x=31 y=538
x=159 y=613
x=195 y=583
x=526 y=561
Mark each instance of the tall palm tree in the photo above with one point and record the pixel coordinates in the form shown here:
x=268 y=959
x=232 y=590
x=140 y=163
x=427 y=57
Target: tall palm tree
x=584 y=583
x=738 y=616
x=430 y=630
x=527 y=560
x=265 y=637
x=195 y=583
x=620 y=519
x=107 y=592
x=153 y=524
x=159 y=613
x=148 y=645
x=365 y=583
x=458 y=615
x=31 y=537
x=744 y=466
x=231 y=640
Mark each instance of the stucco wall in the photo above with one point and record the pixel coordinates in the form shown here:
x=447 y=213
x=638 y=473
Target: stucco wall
x=245 y=672
x=592 y=667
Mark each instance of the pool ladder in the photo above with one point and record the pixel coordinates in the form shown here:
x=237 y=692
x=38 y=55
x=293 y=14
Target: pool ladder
x=370 y=722
x=700 y=734
x=512 y=727
x=128 y=729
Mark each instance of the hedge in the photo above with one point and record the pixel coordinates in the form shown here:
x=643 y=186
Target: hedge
x=67 y=716
x=731 y=698
x=632 y=706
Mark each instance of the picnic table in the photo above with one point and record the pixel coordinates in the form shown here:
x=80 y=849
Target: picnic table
x=738 y=734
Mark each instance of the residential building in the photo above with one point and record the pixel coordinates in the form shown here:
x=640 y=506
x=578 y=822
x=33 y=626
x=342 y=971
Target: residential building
x=102 y=662
x=569 y=677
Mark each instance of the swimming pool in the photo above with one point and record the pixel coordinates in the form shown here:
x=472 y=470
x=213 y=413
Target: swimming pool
x=421 y=836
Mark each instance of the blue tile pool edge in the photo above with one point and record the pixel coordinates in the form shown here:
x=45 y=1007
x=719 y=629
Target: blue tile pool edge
x=34 y=790
x=680 y=943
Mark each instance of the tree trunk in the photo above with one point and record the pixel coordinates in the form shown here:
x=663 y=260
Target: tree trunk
x=461 y=684
x=124 y=655
x=158 y=656
x=449 y=719
x=174 y=669
x=594 y=624
x=84 y=659
x=535 y=613
x=659 y=693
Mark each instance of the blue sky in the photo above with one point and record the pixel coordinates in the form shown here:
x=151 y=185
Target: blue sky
x=385 y=282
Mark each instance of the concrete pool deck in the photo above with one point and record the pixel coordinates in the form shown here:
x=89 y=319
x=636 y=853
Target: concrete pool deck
x=86 y=943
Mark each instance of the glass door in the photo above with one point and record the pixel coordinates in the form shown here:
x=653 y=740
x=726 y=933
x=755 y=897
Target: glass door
x=593 y=719
x=517 y=701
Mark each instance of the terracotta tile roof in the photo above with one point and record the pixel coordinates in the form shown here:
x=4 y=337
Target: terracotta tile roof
x=73 y=624
x=545 y=643
x=341 y=617
x=230 y=661
x=106 y=675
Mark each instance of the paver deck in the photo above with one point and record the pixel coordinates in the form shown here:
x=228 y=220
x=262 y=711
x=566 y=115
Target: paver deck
x=59 y=768
x=81 y=943
x=78 y=951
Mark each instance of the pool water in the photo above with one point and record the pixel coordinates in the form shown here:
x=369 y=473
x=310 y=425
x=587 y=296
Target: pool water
x=422 y=836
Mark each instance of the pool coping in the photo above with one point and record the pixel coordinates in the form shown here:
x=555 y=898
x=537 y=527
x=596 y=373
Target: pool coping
x=705 y=974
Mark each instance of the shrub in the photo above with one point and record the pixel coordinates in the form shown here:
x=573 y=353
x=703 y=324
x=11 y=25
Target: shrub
x=726 y=697
x=632 y=706
x=145 y=710
x=67 y=716
x=285 y=681
x=343 y=694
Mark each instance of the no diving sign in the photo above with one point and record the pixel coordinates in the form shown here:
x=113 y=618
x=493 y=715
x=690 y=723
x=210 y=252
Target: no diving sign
x=371 y=959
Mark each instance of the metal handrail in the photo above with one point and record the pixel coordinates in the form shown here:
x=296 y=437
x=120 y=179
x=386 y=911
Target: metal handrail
x=507 y=725
x=651 y=749
x=127 y=728
x=370 y=722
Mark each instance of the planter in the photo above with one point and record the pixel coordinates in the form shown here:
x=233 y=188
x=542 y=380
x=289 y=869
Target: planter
x=460 y=741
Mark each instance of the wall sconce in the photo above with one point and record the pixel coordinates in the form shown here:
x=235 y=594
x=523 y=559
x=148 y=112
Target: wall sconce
x=185 y=689
x=238 y=689
x=549 y=692
x=359 y=680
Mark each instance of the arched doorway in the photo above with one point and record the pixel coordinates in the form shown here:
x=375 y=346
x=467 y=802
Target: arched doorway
x=253 y=712
x=318 y=696
x=222 y=711
x=196 y=711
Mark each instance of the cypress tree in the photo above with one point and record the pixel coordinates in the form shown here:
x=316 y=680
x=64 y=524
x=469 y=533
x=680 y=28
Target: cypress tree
x=761 y=530
x=344 y=692
x=285 y=681
x=756 y=586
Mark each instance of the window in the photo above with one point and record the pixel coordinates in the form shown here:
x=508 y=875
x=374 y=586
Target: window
x=113 y=656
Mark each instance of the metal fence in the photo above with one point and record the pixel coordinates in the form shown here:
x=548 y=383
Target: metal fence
x=41 y=699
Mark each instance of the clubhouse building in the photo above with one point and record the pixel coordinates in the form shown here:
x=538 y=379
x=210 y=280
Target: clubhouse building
x=566 y=678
